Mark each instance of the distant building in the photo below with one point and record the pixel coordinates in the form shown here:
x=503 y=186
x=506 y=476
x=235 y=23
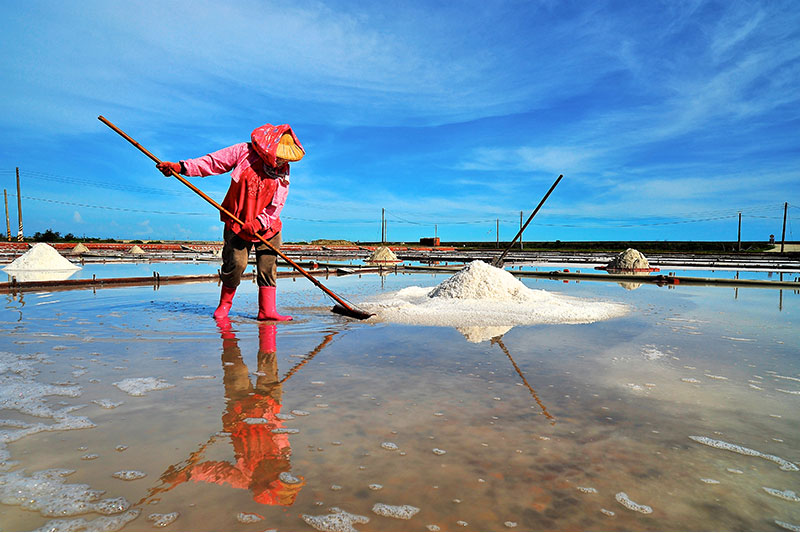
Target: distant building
x=429 y=241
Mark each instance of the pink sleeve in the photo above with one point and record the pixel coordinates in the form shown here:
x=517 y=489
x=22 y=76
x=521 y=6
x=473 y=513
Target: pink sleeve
x=218 y=162
x=270 y=214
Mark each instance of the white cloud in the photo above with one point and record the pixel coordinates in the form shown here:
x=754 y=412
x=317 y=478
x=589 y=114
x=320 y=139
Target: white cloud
x=76 y=216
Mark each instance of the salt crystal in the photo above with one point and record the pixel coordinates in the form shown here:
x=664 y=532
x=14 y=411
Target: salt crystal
x=391 y=446
x=437 y=451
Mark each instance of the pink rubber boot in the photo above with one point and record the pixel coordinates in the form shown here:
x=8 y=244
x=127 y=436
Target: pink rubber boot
x=225 y=302
x=266 y=305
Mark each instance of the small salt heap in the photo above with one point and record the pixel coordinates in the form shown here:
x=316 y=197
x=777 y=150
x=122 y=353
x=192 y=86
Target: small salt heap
x=136 y=250
x=382 y=254
x=41 y=263
x=629 y=260
x=79 y=249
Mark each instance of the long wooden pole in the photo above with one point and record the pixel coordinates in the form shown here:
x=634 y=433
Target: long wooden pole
x=19 y=208
x=783 y=233
x=346 y=308
x=8 y=221
x=499 y=261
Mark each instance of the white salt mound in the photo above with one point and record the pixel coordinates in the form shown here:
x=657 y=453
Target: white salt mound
x=41 y=257
x=482 y=302
x=136 y=250
x=630 y=259
x=481 y=281
x=383 y=254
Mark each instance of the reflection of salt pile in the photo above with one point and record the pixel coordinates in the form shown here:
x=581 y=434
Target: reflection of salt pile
x=382 y=254
x=482 y=302
x=630 y=259
x=42 y=262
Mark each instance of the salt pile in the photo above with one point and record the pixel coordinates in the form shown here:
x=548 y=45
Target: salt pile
x=630 y=259
x=79 y=249
x=136 y=250
x=483 y=301
x=41 y=263
x=41 y=257
x=383 y=254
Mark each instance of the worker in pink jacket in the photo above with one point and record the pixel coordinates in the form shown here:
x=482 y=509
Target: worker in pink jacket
x=258 y=190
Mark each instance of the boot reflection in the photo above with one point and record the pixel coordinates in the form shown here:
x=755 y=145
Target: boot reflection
x=250 y=417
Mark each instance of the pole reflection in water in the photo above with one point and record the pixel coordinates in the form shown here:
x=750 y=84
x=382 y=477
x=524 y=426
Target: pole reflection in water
x=499 y=341
x=252 y=422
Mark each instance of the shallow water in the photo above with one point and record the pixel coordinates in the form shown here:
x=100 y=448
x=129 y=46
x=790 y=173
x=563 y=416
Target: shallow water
x=508 y=434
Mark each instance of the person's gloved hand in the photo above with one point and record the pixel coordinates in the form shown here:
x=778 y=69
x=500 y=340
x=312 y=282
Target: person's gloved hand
x=249 y=229
x=168 y=168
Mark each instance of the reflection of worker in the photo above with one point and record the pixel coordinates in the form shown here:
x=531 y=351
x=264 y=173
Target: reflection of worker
x=260 y=455
x=258 y=190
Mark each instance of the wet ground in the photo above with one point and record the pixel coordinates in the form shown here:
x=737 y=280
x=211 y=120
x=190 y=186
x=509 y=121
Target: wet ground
x=314 y=422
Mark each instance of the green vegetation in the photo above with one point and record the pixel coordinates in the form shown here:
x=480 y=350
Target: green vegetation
x=54 y=236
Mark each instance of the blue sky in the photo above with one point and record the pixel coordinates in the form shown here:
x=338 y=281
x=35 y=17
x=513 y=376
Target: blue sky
x=667 y=119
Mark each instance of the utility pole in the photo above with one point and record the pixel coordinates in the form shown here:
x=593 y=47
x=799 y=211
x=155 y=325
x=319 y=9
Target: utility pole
x=435 y=230
x=19 y=208
x=8 y=222
x=383 y=225
x=498 y=233
x=739 y=240
x=783 y=234
x=520 y=230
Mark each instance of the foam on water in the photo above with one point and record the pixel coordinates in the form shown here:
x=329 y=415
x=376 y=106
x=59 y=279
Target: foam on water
x=45 y=491
x=787 y=526
x=107 y=404
x=401 y=512
x=163 y=520
x=20 y=392
x=104 y=523
x=288 y=478
x=722 y=445
x=788 y=495
x=482 y=296
x=623 y=499
x=141 y=386
x=128 y=475
x=337 y=520
x=249 y=518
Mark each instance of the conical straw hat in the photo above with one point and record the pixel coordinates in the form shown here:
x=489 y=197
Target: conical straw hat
x=288 y=150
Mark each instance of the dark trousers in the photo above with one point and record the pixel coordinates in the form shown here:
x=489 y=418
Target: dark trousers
x=235 y=253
